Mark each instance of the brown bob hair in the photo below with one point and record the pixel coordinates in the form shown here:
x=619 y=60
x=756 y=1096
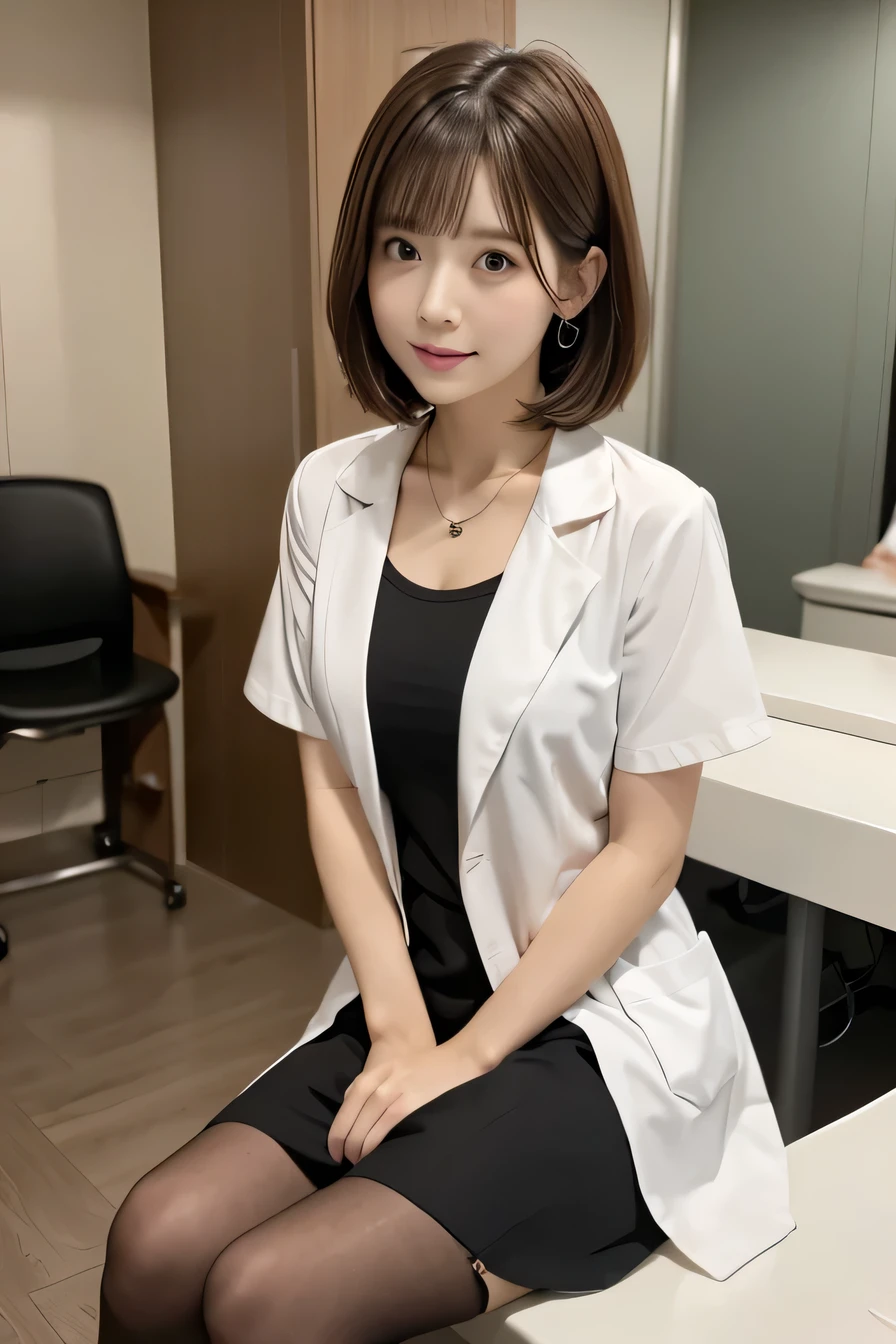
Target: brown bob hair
x=549 y=145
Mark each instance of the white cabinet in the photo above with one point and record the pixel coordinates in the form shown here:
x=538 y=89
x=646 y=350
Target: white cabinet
x=46 y=786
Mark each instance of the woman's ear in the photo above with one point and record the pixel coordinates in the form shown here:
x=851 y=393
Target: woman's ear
x=584 y=281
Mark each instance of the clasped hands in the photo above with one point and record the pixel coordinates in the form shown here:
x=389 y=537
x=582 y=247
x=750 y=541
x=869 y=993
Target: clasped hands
x=397 y=1078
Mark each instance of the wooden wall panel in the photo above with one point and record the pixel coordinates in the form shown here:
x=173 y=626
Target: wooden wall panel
x=226 y=245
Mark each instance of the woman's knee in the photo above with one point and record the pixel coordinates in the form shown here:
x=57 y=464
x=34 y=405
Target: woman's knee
x=157 y=1254
x=240 y=1289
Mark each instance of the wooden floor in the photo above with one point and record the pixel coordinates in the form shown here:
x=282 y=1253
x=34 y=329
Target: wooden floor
x=123 y=1029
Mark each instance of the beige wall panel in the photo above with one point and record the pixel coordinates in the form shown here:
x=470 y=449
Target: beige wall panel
x=4 y=438
x=79 y=260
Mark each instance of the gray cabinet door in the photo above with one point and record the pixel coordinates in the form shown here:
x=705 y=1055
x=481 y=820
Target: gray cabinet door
x=782 y=355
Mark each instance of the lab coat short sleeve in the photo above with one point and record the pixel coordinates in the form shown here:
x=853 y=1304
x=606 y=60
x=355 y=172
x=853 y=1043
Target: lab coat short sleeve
x=278 y=682
x=688 y=691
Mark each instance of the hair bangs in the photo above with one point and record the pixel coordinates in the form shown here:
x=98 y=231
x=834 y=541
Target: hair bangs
x=426 y=183
x=512 y=199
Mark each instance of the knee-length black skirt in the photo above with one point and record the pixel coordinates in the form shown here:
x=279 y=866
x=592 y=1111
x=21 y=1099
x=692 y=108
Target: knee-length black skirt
x=527 y=1166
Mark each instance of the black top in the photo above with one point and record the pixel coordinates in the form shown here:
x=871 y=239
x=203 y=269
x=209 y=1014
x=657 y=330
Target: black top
x=421 y=644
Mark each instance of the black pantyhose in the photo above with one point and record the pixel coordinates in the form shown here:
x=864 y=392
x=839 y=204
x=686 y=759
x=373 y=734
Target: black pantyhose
x=227 y=1241
x=356 y=1263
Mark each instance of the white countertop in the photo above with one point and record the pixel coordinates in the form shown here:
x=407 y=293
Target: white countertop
x=811 y=812
x=848 y=586
x=826 y=685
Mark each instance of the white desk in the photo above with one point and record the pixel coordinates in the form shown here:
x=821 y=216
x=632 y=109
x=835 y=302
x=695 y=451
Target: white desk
x=848 y=605
x=811 y=812
x=826 y=685
x=848 y=586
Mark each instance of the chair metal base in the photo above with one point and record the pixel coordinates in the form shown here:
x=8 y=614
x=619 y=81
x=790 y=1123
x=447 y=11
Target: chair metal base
x=175 y=896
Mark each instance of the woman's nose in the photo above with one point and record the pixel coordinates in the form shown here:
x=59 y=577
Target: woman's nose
x=438 y=305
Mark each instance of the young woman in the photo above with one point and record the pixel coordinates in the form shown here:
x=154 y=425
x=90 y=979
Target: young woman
x=507 y=644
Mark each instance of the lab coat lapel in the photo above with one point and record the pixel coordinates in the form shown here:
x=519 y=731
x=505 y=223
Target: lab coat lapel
x=542 y=591
x=539 y=597
x=350 y=564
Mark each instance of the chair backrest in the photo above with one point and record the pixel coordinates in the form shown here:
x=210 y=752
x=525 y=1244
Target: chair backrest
x=63 y=576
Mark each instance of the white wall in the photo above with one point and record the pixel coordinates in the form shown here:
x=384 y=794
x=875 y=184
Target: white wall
x=81 y=337
x=622 y=47
x=80 y=281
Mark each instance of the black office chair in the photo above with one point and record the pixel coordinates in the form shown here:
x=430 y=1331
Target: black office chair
x=66 y=648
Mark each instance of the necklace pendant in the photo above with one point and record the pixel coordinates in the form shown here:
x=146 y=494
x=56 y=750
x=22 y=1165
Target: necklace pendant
x=455 y=529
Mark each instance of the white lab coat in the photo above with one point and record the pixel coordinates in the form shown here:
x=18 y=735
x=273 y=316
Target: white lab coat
x=888 y=540
x=619 y=642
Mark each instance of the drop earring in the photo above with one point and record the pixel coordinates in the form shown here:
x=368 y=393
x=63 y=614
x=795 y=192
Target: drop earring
x=567 y=345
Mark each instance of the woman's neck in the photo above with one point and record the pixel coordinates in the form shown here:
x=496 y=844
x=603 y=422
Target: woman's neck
x=471 y=442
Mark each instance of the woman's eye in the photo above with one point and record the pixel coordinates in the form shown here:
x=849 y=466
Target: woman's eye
x=490 y=257
x=401 y=250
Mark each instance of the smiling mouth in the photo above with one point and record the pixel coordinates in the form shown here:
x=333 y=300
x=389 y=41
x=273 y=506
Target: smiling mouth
x=436 y=358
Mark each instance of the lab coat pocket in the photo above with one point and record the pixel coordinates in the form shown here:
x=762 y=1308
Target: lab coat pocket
x=682 y=1007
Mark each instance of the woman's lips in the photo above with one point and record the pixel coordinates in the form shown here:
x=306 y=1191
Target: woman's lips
x=437 y=361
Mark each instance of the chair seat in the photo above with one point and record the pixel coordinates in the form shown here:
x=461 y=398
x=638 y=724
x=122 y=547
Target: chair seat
x=81 y=694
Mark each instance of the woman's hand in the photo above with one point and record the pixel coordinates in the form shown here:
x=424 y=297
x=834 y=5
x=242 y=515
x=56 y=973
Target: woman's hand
x=885 y=561
x=394 y=1082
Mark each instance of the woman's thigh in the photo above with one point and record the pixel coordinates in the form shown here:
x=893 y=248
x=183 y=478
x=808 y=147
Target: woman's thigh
x=180 y=1216
x=357 y=1262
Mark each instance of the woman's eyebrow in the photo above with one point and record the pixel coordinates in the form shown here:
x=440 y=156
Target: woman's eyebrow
x=486 y=233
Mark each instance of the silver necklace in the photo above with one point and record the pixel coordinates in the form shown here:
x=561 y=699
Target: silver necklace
x=455 y=528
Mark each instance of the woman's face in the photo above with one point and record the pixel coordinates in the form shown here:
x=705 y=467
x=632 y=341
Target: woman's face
x=476 y=294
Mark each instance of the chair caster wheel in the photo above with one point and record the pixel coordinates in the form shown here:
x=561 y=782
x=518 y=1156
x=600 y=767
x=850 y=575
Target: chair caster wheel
x=4 y=941
x=175 y=896
x=106 y=841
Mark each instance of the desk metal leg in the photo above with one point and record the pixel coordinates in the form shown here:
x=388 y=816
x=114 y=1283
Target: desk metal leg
x=799 y=1020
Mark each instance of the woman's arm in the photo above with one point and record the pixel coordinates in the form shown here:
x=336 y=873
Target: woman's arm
x=597 y=916
x=360 y=899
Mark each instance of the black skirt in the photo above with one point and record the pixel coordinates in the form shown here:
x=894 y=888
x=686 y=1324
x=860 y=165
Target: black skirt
x=528 y=1166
